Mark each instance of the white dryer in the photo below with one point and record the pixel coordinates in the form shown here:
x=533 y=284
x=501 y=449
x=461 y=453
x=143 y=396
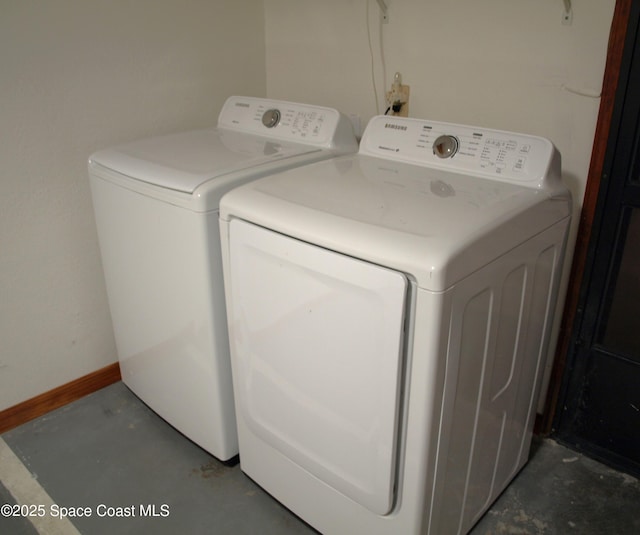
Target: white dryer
x=389 y=314
x=156 y=207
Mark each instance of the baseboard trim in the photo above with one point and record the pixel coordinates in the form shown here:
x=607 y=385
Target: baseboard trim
x=58 y=397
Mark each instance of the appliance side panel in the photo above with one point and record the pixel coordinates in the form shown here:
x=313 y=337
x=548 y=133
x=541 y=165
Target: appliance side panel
x=500 y=322
x=472 y=328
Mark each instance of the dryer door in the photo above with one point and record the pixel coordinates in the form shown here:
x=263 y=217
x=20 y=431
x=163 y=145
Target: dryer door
x=317 y=354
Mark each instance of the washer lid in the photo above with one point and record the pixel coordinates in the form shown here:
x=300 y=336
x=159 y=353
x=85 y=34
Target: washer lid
x=184 y=161
x=432 y=224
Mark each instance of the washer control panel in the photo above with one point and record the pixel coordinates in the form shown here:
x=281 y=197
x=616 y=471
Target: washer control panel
x=503 y=155
x=280 y=120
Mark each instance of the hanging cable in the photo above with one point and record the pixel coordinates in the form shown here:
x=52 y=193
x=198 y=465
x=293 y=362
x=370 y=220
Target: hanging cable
x=373 y=75
x=371 y=55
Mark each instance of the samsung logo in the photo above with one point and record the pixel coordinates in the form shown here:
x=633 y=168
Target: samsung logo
x=395 y=126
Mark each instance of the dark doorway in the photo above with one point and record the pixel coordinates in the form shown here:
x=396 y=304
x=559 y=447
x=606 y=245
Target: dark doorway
x=599 y=409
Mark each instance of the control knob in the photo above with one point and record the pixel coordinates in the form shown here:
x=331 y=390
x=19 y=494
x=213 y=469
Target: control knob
x=271 y=118
x=445 y=146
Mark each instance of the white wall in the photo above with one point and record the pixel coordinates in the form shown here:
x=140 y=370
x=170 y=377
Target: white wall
x=503 y=64
x=78 y=75
x=75 y=76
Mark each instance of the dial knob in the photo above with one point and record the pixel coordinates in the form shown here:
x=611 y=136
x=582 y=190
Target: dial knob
x=445 y=146
x=271 y=118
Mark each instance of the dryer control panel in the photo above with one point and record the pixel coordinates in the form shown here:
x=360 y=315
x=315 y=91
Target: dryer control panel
x=497 y=154
x=282 y=120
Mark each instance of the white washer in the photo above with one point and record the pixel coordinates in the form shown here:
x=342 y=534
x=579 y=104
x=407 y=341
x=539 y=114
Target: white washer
x=389 y=314
x=156 y=207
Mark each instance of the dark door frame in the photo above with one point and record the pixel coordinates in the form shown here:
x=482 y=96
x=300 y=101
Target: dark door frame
x=580 y=267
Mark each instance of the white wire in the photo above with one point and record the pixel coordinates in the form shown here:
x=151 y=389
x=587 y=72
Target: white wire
x=373 y=77
x=371 y=55
x=382 y=58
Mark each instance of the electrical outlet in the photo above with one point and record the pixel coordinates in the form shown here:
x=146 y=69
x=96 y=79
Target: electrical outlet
x=398 y=98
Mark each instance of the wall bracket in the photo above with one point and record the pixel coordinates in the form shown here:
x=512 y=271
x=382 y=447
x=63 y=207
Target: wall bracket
x=567 y=16
x=384 y=10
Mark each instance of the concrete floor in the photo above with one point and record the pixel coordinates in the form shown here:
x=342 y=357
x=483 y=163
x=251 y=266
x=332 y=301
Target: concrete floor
x=108 y=450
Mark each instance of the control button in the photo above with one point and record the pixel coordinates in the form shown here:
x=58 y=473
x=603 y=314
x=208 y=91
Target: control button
x=271 y=118
x=445 y=146
x=519 y=163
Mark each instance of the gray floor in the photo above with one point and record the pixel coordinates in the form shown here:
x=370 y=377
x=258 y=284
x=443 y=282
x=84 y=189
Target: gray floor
x=109 y=450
